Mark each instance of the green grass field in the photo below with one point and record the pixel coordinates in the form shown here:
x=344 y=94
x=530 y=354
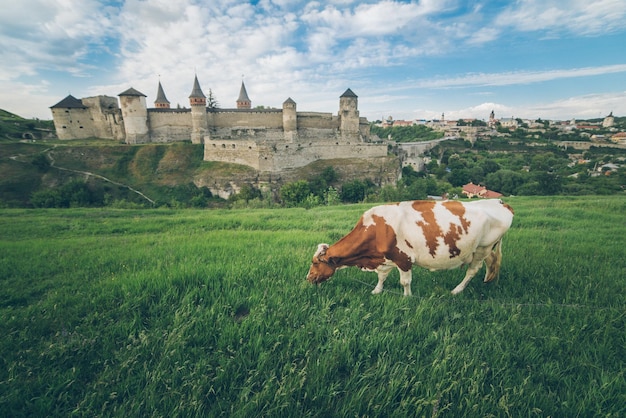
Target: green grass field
x=188 y=313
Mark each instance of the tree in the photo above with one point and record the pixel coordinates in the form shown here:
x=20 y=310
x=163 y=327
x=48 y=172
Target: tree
x=505 y=181
x=41 y=162
x=293 y=194
x=355 y=191
x=548 y=183
x=331 y=196
x=248 y=192
x=211 y=101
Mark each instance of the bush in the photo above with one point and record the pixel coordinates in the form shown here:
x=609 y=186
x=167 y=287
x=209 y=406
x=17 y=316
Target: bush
x=293 y=194
x=73 y=194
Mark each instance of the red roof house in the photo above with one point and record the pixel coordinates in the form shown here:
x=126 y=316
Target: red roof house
x=474 y=190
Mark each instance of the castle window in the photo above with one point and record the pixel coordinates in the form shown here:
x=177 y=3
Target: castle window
x=223 y=145
x=80 y=127
x=249 y=147
x=64 y=127
x=233 y=145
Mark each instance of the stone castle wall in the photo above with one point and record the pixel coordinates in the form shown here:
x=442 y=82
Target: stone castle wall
x=276 y=156
x=169 y=125
x=105 y=116
x=239 y=118
x=73 y=123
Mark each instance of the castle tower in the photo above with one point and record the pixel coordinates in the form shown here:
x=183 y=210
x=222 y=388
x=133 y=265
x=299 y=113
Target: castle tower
x=161 y=101
x=67 y=116
x=609 y=121
x=199 y=122
x=348 y=114
x=135 y=115
x=243 y=102
x=290 y=120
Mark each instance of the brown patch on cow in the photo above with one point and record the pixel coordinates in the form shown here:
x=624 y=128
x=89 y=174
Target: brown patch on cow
x=457 y=209
x=429 y=225
x=432 y=231
x=386 y=243
x=451 y=237
x=408 y=244
x=508 y=207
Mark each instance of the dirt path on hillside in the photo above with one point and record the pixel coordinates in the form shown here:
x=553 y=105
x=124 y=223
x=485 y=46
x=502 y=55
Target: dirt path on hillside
x=48 y=153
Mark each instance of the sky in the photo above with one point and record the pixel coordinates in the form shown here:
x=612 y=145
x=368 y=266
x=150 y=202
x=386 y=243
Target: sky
x=549 y=59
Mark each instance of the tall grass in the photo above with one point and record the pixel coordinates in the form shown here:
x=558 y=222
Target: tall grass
x=207 y=313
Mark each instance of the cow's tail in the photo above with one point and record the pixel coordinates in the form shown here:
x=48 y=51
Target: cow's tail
x=493 y=261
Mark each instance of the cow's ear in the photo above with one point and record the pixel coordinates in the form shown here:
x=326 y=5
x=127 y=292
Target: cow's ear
x=321 y=250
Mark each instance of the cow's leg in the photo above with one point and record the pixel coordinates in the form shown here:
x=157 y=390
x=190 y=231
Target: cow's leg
x=383 y=272
x=477 y=262
x=493 y=261
x=405 y=281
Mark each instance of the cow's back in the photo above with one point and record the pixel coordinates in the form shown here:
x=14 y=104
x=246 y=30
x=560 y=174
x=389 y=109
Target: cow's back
x=443 y=235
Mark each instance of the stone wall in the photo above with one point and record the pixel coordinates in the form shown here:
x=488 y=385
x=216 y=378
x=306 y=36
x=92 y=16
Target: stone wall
x=73 y=123
x=270 y=156
x=244 y=118
x=169 y=125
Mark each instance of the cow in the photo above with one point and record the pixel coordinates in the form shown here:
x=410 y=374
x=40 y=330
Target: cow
x=436 y=235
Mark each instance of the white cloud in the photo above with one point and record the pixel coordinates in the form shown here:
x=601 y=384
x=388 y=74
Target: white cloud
x=36 y=34
x=582 y=107
x=519 y=77
x=580 y=17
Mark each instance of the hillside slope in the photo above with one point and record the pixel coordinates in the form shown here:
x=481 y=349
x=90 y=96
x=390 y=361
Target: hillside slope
x=163 y=173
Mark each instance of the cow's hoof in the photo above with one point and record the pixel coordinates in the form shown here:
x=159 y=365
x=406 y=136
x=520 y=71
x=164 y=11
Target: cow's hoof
x=376 y=291
x=456 y=291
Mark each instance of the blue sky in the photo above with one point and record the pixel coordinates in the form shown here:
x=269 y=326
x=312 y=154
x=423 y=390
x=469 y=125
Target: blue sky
x=553 y=59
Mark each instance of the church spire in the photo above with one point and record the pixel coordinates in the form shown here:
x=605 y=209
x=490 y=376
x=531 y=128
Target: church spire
x=161 y=101
x=243 y=102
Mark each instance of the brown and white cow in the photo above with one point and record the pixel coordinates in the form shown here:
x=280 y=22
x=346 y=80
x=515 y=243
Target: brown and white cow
x=434 y=235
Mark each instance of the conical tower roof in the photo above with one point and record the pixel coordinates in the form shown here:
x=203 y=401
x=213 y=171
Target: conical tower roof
x=161 y=99
x=196 y=92
x=243 y=94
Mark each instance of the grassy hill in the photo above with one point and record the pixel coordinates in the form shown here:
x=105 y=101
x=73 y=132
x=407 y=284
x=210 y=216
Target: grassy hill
x=166 y=174
x=16 y=127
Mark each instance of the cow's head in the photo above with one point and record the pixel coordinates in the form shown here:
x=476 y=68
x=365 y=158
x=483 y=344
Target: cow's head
x=321 y=268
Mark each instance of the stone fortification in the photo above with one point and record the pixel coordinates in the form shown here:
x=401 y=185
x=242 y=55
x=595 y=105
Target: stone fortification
x=169 y=125
x=269 y=140
x=90 y=117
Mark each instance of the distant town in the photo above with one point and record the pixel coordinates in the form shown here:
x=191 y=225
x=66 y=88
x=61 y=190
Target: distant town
x=471 y=129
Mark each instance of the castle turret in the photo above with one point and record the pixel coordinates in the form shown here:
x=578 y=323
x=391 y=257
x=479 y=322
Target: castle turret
x=199 y=123
x=348 y=114
x=290 y=119
x=161 y=101
x=135 y=115
x=243 y=101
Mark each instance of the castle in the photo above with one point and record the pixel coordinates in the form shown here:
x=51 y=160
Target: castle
x=269 y=140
